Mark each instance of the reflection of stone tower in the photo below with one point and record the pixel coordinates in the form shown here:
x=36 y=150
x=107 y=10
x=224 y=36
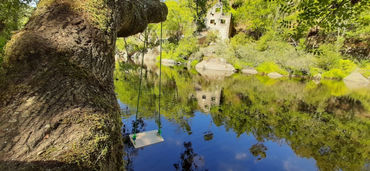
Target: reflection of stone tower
x=217 y=20
x=208 y=98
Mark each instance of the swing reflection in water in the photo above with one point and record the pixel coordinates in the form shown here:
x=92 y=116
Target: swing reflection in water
x=146 y=138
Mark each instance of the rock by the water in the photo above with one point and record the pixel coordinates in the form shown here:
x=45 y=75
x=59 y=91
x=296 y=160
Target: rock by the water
x=215 y=68
x=251 y=71
x=356 y=80
x=274 y=75
x=317 y=77
x=168 y=62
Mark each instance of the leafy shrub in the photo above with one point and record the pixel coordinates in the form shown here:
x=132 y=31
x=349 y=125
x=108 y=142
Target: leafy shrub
x=268 y=67
x=314 y=71
x=334 y=73
x=329 y=57
x=365 y=71
x=262 y=44
x=211 y=37
x=239 y=40
x=182 y=50
x=194 y=63
x=340 y=70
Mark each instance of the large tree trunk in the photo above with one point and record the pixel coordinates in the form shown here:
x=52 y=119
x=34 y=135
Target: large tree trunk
x=58 y=108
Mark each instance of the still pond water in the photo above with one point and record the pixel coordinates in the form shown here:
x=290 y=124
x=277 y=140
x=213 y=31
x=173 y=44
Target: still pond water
x=245 y=123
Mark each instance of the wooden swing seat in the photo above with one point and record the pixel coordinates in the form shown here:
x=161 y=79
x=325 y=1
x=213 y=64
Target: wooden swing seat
x=146 y=138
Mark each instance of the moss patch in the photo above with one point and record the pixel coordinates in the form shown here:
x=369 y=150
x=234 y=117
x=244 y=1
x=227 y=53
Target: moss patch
x=97 y=11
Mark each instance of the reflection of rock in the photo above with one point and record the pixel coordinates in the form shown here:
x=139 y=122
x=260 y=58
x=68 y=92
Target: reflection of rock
x=215 y=68
x=150 y=56
x=317 y=77
x=356 y=80
x=274 y=75
x=168 y=62
x=207 y=99
x=251 y=71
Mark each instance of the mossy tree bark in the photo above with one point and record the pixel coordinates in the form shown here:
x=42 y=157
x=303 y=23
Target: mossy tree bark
x=58 y=108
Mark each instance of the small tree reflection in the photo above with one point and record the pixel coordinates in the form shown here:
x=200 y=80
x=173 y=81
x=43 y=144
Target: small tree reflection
x=258 y=150
x=190 y=160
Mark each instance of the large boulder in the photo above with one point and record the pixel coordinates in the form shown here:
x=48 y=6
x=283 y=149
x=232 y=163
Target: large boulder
x=250 y=71
x=215 y=68
x=356 y=80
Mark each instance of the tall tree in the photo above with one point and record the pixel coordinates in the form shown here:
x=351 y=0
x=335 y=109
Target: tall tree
x=58 y=108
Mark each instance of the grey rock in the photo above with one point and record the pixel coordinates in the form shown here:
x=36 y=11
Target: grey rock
x=356 y=80
x=251 y=71
x=215 y=68
x=317 y=77
x=274 y=75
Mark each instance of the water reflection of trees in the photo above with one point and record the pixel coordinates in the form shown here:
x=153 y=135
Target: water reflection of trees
x=300 y=115
x=258 y=150
x=189 y=160
x=316 y=120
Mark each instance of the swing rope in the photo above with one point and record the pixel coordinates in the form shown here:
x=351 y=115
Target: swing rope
x=160 y=83
x=140 y=82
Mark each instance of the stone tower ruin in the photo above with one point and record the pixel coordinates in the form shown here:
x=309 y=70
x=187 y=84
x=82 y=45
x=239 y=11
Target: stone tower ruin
x=217 y=20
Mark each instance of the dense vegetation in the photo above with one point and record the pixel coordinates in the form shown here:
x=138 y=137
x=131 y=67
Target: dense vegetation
x=297 y=37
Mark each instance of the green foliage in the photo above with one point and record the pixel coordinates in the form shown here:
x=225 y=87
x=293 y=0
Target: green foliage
x=13 y=15
x=268 y=67
x=340 y=70
x=182 y=51
x=239 y=40
x=179 y=20
x=194 y=63
x=262 y=42
x=332 y=63
x=366 y=70
x=256 y=14
x=334 y=73
x=210 y=37
x=329 y=57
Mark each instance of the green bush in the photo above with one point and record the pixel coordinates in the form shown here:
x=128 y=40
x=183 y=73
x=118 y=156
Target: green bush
x=329 y=57
x=314 y=71
x=341 y=69
x=182 y=50
x=262 y=44
x=365 y=71
x=211 y=37
x=268 y=67
x=239 y=40
x=334 y=74
x=194 y=63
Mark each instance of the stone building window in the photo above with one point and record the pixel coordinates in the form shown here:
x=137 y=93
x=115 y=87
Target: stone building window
x=212 y=22
x=204 y=97
x=223 y=21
